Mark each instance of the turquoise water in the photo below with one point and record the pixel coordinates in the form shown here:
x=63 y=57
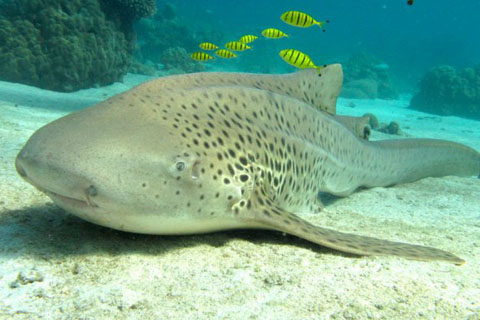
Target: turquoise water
x=428 y=50
x=411 y=39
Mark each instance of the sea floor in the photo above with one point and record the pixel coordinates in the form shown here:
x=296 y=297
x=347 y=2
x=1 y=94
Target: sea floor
x=56 y=266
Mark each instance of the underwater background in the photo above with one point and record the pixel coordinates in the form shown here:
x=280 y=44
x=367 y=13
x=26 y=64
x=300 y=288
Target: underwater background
x=414 y=69
x=428 y=49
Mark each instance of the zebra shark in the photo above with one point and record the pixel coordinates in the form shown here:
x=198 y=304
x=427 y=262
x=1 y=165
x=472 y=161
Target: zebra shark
x=214 y=151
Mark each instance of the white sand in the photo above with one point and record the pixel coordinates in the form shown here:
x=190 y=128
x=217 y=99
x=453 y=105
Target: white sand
x=56 y=266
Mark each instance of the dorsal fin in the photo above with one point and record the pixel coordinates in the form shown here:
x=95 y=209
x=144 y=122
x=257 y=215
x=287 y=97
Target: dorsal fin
x=306 y=85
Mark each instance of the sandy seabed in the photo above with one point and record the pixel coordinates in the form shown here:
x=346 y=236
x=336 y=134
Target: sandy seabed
x=56 y=266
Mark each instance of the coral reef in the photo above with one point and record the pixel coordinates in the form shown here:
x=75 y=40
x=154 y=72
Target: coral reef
x=62 y=45
x=391 y=128
x=163 y=36
x=140 y=68
x=446 y=91
x=177 y=60
x=367 y=78
x=361 y=89
x=134 y=9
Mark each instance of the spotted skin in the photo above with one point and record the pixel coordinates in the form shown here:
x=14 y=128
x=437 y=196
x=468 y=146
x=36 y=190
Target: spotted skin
x=207 y=152
x=306 y=85
x=276 y=218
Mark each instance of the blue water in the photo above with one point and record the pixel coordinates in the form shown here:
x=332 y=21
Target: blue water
x=59 y=48
x=410 y=39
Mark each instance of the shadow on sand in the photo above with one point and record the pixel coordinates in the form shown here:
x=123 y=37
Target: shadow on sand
x=49 y=232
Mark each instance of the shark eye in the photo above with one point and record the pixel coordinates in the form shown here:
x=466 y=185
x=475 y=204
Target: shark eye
x=180 y=165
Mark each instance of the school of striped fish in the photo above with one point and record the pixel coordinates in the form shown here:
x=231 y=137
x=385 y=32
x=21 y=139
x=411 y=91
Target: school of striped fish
x=293 y=57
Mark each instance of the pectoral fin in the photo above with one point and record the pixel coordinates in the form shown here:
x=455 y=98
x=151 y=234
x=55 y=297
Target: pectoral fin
x=260 y=210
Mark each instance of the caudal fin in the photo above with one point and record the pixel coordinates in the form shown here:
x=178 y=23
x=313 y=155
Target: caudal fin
x=322 y=23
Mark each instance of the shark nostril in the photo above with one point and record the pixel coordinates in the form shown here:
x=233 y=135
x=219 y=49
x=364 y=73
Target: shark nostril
x=92 y=191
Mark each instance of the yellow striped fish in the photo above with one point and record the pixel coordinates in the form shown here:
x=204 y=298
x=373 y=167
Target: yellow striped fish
x=225 y=54
x=300 y=19
x=201 y=56
x=207 y=46
x=249 y=38
x=237 y=46
x=273 y=33
x=298 y=59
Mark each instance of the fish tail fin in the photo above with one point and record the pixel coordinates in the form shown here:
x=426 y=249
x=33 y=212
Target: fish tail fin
x=319 y=69
x=321 y=24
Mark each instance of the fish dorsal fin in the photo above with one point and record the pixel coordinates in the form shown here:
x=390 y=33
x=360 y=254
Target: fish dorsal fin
x=261 y=212
x=306 y=85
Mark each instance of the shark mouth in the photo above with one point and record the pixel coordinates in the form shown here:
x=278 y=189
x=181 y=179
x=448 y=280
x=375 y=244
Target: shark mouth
x=81 y=199
x=86 y=201
x=71 y=202
x=68 y=200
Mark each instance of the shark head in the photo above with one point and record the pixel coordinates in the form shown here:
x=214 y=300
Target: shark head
x=160 y=158
x=117 y=166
